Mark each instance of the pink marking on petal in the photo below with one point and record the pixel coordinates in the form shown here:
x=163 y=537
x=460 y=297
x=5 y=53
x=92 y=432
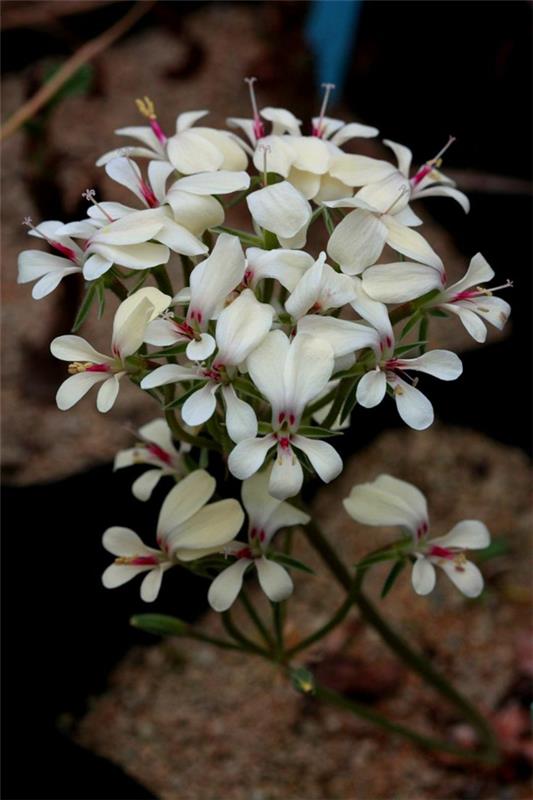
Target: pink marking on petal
x=441 y=552
x=144 y=561
x=98 y=368
x=421 y=174
x=156 y=127
x=159 y=453
x=148 y=195
x=66 y=251
x=245 y=552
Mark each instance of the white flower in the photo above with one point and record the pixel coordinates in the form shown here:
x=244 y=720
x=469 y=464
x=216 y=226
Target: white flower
x=401 y=281
x=156 y=450
x=289 y=375
x=189 y=151
x=211 y=281
x=467 y=300
x=319 y=289
x=281 y=209
x=389 y=501
x=187 y=529
x=266 y=516
x=358 y=240
x=90 y=367
x=241 y=327
x=47 y=269
x=391 y=371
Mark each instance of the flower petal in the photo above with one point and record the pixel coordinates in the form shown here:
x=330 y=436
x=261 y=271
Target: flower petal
x=403 y=155
x=76 y=387
x=189 y=152
x=410 y=243
x=74 y=348
x=307 y=370
x=184 y=500
x=107 y=394
x=124 y=542
x=200 y=406
x=266 y=364
x=357 y=241
x=287 y=475
x=207 y=183
x=241 y=422
x=199 y=350
x=168 y=373
x=119 y=574
x=324 y=459
x=226 y=587
x=413 y=406
x=470 y=534
x=441 y=364
x=241 y=327
x=214 y=278
x=388 y=501
x=151 y=584
x=286 y=266
x=343 y=336
x=371 y=388
x=212 y=526
x=466 y=576
x=145 y=484
x=274 y=580
x=423 y=576
x=248 y=456
x=279 y=208
x=400 y=282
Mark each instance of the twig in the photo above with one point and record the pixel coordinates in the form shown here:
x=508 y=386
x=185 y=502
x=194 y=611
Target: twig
x=86 y=53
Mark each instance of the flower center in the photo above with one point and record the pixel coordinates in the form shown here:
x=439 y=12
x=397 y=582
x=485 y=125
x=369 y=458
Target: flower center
x=429 y=166
x=87 y=366
x=159 y=453
x=138 y=561
x=470 y=294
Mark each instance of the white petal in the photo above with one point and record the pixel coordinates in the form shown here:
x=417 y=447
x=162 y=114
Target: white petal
x=387 y=501
x=372 y=311
x=286 y=266
x=357 y=241
x=307 y=291
x=212 y=526
x=180 y=240
x=221 y=182
x=162 y=333
x=214 y=278
x=187 y=119
x=184 y=500
x=403 y=155
x=158 y=432
x=413 y=406
x=470 y=534
x=407 y=217
x=423 y=575
x=354 y=130
x=132 y=318
x=127 y=173
x=479 y=271
x=324 y=459
x=248 y=456
x=331 y=189
x=200 y=406
x=151 y=585
x=266 y=365
x=391 y=193
x=410 y=243
x=279 y=208
x=143 y=487
x=158 y=174
x=135 y=228
x=400 y=282
x=493 y=309
x=33 y=264
x=96 y=266
x=241 y=421
x=371 y=388
x=143 y=133
x=74 y=348
x=282 y=516
x=274 y=580
x=199 y=350
x=287 y=475
x=107 y=394
x=307 y=370
x=279 y=155
x=189 y=152
x=76 y=387
x=119 y=574
x=133 y=256
x=195 y=212
x=307 y=183
x=124 y=542
x=473 y=324
x=466 y=577
x=441 y=364
x=234 y=157
x=311 y=154
x=225 y=588
x=359 y=170
x=168 y=373
x=343 y=336
x=241 y=327
x=283 y=121
x=445 y=191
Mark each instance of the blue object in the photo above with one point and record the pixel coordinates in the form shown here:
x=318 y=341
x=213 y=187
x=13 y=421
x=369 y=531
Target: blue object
x=331 y=29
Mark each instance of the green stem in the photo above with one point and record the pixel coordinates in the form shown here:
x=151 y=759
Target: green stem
x=117 y=287
x=256 y=619
x=183 y=436
x=244 y=236
x=163 y=281
x=277 y=618
x=413 y=659
x=335 y=620
x=235 y=633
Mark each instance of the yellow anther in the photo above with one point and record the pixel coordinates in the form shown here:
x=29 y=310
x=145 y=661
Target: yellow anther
x=460 y=561
x=146 y=107
x=398 y=390
x=78 y=366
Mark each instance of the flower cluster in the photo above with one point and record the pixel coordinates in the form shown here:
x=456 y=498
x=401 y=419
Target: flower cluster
x=256 y=349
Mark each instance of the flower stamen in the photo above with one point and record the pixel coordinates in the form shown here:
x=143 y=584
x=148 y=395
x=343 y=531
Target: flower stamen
x=89 y=195
x=61 y=248
x=259 y=128
x=432 y=163
x=146 y=107
x=318 y=129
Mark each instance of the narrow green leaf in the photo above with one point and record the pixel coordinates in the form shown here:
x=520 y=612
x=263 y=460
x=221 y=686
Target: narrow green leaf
x=436 y=312
x=175 y=350
x=141 y=280
x=85 y=307
x=159 y=624
x=315 y=432
x=292 y=563
x=391 y=577
x=410 y=324
x=100 y=294
x=179 y=401
x=404 y=348
x=350 y=402
x=264 y=428
x=423 y=333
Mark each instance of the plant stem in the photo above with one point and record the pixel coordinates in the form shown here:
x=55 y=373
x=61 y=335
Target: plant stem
x=235 y=633
x=163 y=281
x=415 y=660
x=256 y=619
x=183 y=436
x=325 y=629
x=277 y=618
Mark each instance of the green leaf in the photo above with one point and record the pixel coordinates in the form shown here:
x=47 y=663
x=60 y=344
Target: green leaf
x=404 y=348
x=179 y=401
x=391 y=577
x=289 y=561
x=328 y=222
x=169 y=351
x=100 y=294
x=160 y=624
x=246 y=387
x=423 y=333
x=410 y=324
x=264 y=428
x=350 y=402
x=436 y=312
x=314 y=432
x=85 y=307
x=140 y=281
x=303 y=680
x=499 y=547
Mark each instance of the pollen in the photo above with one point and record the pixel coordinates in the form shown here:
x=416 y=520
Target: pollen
x=78 y=366
x=146 y=107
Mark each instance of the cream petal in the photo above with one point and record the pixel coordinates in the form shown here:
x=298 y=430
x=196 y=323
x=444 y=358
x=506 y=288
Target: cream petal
x=387 y=501
x=354 y=130
x=274 y=580
x=195 y=212
x=49 y=282
x=180 y=240
x=410 y=494
x=199 y=350
x=307 y=183
x=151 y=584
x=279 y=208
x=266 y=365
x=307 y=291
x=33 y=264
x=331 y=189
x=374 y=312
x=234 y=157
x=257 y=501
x=163 y=333
x=403 y=155
x=400 y=282
x=187 y=119
x=287 y=475
x=356 y=170
x=124 y=542
x=283 y=515
x=310 y=154
x=76 y=387
x=357 y=241
x=324 y=459
x=212 y=526
x=143 y=487
x=413 y=406
x=473 y=324
x=133 y=315
x=423 y=576
x=371 y=388
x=96 y=266
x=135 y=228
x=279 y=155
x=241 y=422
x=143 y=133
x=248 y=456
x=479 y=271
x=107 y=394
x=444 y=191
x=245 y=125
x=158 y=174
x=283 y=121
x=226 y=587
x=200 y=406
x=158 y=432
x=470 y=534
x=407 y=217
x=221 y=182
x=126 y=172
x=493 y=309
x=168 y=373
x=190 y=152
x=74 y=348
x=119 y=574
x=184 y=500
x=131 y=151
x=134 y=256
x=411 y=244
x=465 y=576
x=214 y=278
x=285 y=266
x=343 y=336
x=392 y=192
x=307 y=370
x=441 y=364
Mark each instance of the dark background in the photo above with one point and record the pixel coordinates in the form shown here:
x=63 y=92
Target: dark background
x=427 y=69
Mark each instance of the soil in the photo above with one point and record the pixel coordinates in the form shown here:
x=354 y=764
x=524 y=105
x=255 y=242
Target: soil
x=195 y=723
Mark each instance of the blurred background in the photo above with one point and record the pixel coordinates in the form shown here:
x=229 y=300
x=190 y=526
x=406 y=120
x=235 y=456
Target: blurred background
x=418 y=71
